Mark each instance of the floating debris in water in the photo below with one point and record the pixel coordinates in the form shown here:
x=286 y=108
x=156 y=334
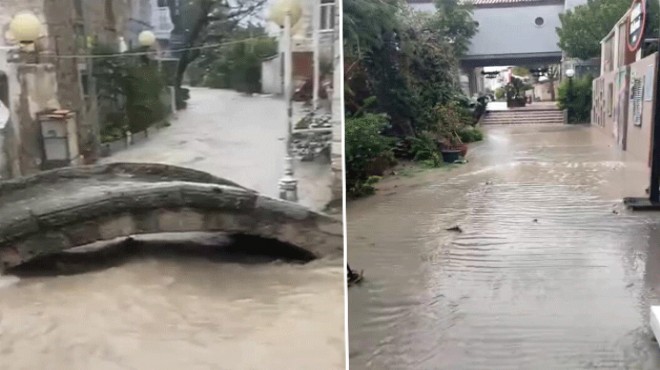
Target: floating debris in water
x=353 y=277
x=456 y=229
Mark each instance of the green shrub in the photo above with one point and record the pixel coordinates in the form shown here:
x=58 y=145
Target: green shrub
x=364 y=188
x=364 y=143
x=575 y=96
x=237 y=67
x=425 y=148
x=470 y=134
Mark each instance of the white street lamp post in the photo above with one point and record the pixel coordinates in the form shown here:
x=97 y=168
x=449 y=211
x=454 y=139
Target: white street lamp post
x=316 y=25
x=286 y=14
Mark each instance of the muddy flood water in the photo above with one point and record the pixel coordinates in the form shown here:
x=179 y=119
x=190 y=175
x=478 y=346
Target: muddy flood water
x=173 y=310
x=550 y=272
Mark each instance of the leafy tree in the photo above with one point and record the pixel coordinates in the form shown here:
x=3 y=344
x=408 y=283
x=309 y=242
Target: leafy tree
x=575 y=95
x=521 y=71
x=203 y=22
x=586 y=25
x=369 y=24
x=453 y=19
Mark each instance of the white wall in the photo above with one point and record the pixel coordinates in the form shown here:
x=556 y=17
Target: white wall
x=161 y=21
x=271 y=76
x=513 y=31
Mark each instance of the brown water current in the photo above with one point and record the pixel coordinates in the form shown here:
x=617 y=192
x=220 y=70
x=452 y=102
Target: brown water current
x=173 y=311
x=550 y=272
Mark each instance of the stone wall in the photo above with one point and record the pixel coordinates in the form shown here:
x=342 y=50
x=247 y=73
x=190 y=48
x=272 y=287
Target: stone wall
x=108 y=20
x=38 y=92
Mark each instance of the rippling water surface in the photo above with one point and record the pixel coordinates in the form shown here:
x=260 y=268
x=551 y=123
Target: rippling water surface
x=549 y=272
x=176 y=312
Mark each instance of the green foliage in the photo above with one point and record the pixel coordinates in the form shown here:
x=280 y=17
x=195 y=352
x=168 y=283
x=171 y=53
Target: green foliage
x=129 y=93
x=236 y=66
x=364 y=188
x=575 y=96
x=369 y=24
x=364 y=143
x=586 y=25
x=203 y=22
x=453 y=20
x=451 y=118
x=470 y=134
x=521 y=71
x=425 y=148
x=402 y=65
x=144 y=105
x=499 y=93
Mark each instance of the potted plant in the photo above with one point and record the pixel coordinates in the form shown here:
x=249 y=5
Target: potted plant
x=453 y=148
x=515 y=93
x=449 y=142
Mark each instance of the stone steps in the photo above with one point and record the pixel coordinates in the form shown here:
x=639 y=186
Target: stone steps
x=553 y=116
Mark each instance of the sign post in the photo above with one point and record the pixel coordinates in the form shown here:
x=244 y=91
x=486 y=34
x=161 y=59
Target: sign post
x=635 y=39
x=636 y=25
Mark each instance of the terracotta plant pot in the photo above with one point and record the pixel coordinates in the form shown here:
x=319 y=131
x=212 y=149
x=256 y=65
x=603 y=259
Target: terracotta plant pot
x=463 y=149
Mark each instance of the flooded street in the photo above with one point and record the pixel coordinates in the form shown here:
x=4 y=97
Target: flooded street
x=550 y=272
x=176 y=313
x=182 y=312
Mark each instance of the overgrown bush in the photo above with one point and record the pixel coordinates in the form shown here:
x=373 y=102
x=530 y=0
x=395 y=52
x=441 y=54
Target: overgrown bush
x=238 y=66
x=364 y=144
x=425 y=148
x=403 y=64
x=470 y=134
x=129 y=92
x=575 y=96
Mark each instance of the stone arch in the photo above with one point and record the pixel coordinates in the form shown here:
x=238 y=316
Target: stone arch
x=40 y=216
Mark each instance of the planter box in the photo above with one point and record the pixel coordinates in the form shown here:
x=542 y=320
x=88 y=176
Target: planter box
x=517 y=103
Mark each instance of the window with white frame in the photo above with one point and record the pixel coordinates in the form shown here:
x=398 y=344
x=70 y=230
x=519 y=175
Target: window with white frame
x=327 y=15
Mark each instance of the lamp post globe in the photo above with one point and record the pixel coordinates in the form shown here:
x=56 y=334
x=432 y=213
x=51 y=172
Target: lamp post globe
x=25 y=28
x=280 y=9
x=570 y=73
x=147 y=39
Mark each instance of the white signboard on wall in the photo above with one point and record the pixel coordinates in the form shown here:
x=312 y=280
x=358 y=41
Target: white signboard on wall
x=648 y=82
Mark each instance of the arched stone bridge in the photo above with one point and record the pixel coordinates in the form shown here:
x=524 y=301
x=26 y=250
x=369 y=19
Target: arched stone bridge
x=61 y=209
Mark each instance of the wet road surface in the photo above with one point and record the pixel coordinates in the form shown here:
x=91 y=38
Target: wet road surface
x=549 y=272
x=234 y=136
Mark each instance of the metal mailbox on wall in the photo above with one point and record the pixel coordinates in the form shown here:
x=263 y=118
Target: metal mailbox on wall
x=59 y=139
